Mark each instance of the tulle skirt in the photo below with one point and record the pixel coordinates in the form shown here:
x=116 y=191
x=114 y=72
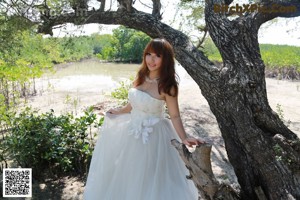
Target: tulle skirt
x=125 y=168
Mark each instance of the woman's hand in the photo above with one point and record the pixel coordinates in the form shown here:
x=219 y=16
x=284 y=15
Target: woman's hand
x=192 y=141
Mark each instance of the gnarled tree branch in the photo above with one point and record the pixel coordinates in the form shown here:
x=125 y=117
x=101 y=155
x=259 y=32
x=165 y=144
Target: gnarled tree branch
x=198 y=62
x=156 y=9
x=271 y=9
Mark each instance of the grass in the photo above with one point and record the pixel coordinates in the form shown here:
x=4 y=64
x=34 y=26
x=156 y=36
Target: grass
x=274 y=56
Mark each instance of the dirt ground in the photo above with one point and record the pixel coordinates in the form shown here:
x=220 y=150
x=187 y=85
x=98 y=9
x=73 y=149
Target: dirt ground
x=198 y=120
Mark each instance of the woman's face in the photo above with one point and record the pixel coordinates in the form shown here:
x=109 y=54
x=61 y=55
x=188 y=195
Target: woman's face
x=153 y=61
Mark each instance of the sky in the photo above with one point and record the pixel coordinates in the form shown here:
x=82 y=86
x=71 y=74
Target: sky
x=282 y=31
x=278 y=31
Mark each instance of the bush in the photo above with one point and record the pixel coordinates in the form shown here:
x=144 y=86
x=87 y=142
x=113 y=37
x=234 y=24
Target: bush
x=281 y=56
x=53 y=144
x=121 y=93
x=274 y=56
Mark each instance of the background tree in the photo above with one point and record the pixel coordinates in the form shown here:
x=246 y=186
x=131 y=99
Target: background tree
x=130 y=45
x=254 y=135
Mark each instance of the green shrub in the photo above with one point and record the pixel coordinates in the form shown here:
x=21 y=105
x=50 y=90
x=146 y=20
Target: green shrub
x=280 y=56
x=121 y=93
x=211 y=51
x=51 y=144
x=274 y=56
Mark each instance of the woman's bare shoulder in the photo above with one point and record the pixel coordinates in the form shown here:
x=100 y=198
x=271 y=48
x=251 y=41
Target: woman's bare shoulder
x=173 y=93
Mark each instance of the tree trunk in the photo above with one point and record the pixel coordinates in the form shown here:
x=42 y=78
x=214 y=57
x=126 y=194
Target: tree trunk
x=263 y=151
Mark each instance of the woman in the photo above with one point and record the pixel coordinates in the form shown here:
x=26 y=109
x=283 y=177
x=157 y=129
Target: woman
x=134 y=159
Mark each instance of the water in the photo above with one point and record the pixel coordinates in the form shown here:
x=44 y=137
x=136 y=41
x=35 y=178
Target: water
x=75 y=86
x=78 y=85
x=94 y=67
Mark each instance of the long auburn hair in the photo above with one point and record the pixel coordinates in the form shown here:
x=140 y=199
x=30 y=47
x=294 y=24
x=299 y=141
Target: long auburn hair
x=167 y=82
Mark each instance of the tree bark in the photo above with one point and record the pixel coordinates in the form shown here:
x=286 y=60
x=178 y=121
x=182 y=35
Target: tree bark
x=199 y=166
x=250 y=128
x=265 y=154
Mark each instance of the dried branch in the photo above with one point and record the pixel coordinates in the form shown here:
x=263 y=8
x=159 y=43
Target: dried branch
x=144 y=4
x=203 y=38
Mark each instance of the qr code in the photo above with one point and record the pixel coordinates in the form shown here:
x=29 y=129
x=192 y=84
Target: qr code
x=17 y=182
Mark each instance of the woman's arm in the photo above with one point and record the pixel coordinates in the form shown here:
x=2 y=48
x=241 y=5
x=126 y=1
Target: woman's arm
x=173 y=108
x=125 y=109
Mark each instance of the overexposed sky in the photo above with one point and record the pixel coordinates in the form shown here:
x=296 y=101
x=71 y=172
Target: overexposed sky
x=281 y=31
x=278 y=31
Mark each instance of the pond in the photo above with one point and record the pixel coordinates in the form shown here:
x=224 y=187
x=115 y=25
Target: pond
x=75 y=86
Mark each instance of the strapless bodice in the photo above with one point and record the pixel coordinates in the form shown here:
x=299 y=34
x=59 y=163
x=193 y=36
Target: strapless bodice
x=146 y=112
x=144 y=105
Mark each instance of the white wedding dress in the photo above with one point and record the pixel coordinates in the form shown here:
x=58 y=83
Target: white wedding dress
x=134 y=159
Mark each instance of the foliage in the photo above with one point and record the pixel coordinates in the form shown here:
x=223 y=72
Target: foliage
x=75 y=48
x=279 y=111
x=278 y=56
x=10 y=29
x=59 y=144
x=124 y=45
x=121 y=92
x=280 y=114
x=25 y=56
x=211 y=51
x=133 y=50
x=192 y=21
x=274 y=56
x=282 y=155
x=130 y=45
x=20 y=64
x=104 y=46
